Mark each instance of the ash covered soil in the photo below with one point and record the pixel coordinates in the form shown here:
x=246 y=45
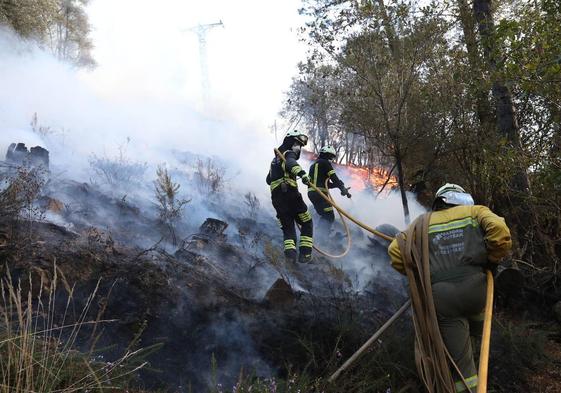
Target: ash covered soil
x=221 y=297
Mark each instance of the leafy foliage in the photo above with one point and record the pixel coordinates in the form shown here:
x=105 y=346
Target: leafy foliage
x=453 y=91
x=60 y=25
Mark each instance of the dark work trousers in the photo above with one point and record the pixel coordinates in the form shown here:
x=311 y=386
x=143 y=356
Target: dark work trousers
x=325 y=211
x=291 y=209
x=459 y=306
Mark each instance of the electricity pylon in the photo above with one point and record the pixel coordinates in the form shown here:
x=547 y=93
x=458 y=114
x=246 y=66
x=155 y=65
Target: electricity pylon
x=201 y=31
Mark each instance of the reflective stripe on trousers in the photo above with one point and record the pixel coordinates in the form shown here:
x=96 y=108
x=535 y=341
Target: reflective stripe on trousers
x=305 y=217
x=471 y=382
x=306 y=241
x=289 y=244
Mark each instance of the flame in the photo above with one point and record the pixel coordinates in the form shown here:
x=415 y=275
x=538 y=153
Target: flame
x=361 y=178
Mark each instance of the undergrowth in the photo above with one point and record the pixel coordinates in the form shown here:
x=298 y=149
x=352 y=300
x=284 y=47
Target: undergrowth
x=310 y=350
x=517 y=350
x=39 y=340
x=318 y=349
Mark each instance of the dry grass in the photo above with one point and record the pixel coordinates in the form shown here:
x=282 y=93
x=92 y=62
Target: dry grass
x=117 y=172
x=18 y=190
x=170 y=206
x=38 y=341
x=209 y=177
x=252 y=203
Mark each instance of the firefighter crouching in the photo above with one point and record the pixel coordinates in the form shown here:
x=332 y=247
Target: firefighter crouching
x=463 y=239
x=287 y=200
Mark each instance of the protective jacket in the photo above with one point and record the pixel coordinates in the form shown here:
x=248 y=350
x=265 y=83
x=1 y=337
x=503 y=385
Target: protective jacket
x=462 y=240
x=282 y=175
x=320 y=171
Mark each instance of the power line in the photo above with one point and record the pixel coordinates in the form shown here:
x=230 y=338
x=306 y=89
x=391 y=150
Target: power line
x=202 y=30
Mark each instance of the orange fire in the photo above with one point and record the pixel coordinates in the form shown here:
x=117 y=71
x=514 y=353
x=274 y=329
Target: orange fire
x=361 y=178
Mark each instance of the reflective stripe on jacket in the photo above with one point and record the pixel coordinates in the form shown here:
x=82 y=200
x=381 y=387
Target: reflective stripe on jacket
x=322 y=170
x=284 y=172
x=461 y=237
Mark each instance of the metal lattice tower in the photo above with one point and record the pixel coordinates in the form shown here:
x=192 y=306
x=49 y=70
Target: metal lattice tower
x=201 y=31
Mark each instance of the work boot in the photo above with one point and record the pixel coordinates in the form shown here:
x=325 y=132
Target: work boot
x=305 y=258
x=290 y=258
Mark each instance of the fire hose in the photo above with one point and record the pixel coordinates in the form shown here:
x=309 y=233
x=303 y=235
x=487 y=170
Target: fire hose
x=486 y=337
x=340 y=210
x=483 y=355
x=483 y=371
x=347 y=231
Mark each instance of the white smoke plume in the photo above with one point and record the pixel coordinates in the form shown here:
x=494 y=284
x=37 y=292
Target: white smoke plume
x=79 y=123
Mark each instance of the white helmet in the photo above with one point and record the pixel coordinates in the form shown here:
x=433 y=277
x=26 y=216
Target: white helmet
x=298 y=135
x=328 y=150
x=453 y=194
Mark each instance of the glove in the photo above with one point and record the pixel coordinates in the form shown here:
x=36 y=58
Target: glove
x=305 y=179
x=345 y=191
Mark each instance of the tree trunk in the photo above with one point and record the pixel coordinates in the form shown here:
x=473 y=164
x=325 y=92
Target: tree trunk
x=394 y=48
x=483 y=107
x=390 y=32
x=507 y=124
x=401 y=182
x=517 y=197
x=322 y=128
x=351 y=156
x=506 y=119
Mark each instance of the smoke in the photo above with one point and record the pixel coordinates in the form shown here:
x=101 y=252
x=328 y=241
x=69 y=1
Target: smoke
x=78 y=122
x=239 y=351
x=375 y=212
x=79 y=126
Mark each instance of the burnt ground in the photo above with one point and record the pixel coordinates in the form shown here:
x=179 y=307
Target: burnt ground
x=207 y=300
x=222 y=300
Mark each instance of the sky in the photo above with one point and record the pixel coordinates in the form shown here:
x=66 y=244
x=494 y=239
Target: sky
x=145 y=92
x=144 y=49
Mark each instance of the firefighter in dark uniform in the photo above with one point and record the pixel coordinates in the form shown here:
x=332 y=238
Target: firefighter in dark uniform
x=320 y=171
x=287 y=200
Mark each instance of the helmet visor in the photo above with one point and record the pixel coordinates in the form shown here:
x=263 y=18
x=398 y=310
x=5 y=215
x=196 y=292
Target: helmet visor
x=457 y=198
x=303 y=139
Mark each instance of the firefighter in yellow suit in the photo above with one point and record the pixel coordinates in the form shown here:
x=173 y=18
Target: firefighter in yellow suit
x=463 y=239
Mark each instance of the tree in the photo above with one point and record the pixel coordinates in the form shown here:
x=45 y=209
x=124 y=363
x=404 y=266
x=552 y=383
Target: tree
x=383 y=50
x=490 y=47
x=62 y=26
x=457 y=91
x=312 y=103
